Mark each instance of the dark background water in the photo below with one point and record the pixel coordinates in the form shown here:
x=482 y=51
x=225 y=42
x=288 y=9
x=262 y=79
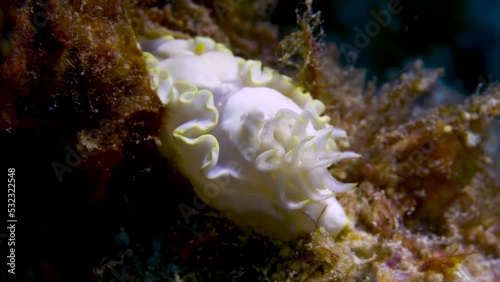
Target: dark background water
x=463 y=36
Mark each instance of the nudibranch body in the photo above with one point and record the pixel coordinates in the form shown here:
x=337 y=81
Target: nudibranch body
x=252 y=144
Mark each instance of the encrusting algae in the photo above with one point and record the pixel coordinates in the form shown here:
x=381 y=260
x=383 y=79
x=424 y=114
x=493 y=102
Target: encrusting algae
x=427 y=203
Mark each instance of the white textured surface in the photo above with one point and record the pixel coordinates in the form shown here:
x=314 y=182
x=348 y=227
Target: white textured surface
x=252 y=144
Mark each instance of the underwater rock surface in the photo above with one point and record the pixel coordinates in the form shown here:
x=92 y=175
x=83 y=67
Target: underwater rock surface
x=80 y=122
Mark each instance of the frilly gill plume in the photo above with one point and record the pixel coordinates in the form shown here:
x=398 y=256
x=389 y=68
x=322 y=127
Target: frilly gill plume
x=250 y=134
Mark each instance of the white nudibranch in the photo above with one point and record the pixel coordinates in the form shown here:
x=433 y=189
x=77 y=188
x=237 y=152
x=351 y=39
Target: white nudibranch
x=253 y=145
